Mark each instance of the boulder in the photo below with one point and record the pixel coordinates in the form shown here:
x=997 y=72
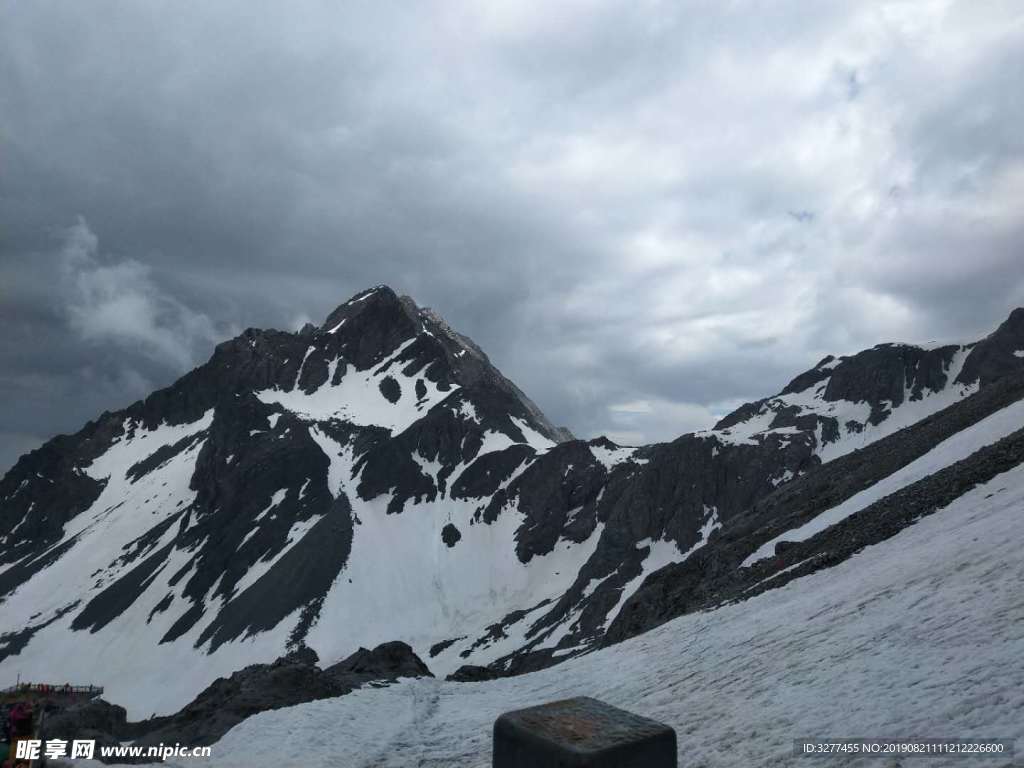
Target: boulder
x=470 y=673
x=290 y=680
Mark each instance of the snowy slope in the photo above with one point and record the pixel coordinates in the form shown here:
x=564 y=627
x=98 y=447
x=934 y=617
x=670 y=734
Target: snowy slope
x=399 y=581
x=948 y=452
x=920 y=636
x=306 y=504
x=356 y=398
x=127 y=657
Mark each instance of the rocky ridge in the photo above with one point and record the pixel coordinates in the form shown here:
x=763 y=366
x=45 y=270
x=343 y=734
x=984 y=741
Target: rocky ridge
x=376 y=477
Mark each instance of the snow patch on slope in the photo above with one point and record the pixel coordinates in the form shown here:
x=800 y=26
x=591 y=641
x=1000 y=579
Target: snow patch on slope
x=357 y=398
x=495 y=440
x=430 y=592
x=126 y=656
x=533 y=438
x=568 y=561
x=610 y=457
x=663 y=553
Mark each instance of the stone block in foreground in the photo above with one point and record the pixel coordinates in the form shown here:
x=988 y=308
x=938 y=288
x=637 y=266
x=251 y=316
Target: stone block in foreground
x=581 y=733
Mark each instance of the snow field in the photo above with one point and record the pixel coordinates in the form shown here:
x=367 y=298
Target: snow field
x=918 y=636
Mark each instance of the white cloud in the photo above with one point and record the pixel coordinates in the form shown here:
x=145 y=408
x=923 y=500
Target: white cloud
x=655 y=420
x=299 y=321
x=117 y=302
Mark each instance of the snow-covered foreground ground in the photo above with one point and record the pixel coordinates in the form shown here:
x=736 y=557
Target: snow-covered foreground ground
x=921 y=636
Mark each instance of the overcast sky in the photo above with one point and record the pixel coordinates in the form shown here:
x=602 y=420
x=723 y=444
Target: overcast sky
x=645 y=212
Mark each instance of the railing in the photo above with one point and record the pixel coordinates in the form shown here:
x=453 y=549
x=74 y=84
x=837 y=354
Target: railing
x=50 y=689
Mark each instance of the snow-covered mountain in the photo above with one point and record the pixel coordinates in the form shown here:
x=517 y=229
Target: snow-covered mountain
x=920 y=634
x=851 y=401
x=377 y=479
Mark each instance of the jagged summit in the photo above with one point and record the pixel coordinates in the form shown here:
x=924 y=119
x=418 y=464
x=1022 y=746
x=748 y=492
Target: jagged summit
x=381 y=308
x=999 y=354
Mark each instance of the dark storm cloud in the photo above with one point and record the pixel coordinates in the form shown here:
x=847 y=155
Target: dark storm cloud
x=645 y=212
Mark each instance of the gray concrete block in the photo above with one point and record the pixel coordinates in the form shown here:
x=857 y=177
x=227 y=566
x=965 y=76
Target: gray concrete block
x=581 y=733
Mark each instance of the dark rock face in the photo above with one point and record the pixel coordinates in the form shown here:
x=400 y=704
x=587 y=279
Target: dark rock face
x=391 y=389
x=883 y=374
x=301 y=577
x=46 y=488
x=483 y=478
x=665 y=491
x=679 y=492
x=996 y=355
x=388 y=661
x=450 y=535
x=109 y=604
x=394 y=465
x=292 y=679
x=713 y=575
x=93 y=716
x=444 y=645
x=469 y=673
x=566 y=478
x=885 y=378
x=242 y=465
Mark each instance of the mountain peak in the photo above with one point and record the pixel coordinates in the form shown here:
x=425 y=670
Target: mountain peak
x=1013 y=325
x=378 y=318
x=999 y=354
x=380 y=297
x=855 y=399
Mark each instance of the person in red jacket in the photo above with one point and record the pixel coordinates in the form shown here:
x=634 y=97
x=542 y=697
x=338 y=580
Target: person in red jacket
x=21 y=720
x=20 y=726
